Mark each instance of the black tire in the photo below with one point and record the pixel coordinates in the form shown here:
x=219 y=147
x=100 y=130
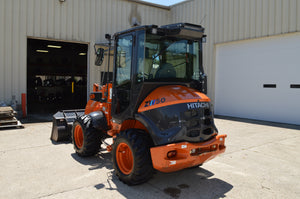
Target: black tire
x=85 y=138
x=197 y=166
x=139 y=144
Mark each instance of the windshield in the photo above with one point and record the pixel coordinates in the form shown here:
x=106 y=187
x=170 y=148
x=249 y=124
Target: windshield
x=163 y=58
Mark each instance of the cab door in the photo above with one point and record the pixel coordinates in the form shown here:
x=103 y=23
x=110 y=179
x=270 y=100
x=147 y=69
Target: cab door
x=122 y=77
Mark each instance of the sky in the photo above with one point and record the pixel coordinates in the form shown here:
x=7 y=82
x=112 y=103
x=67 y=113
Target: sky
x=164 y=2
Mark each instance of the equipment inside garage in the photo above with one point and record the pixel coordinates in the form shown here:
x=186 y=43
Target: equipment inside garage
x=56 y=75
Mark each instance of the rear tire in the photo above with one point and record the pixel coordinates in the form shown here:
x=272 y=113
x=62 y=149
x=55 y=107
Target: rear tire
x=197 y=166
x=131 y=156
x=85 y=138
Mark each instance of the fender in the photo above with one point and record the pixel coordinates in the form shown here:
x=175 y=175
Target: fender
x=98 y=120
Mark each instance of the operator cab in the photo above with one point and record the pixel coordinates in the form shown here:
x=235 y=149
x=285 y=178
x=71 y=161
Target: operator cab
x=150 y=56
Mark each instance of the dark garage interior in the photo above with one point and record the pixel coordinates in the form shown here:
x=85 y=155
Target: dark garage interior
x=56 y=76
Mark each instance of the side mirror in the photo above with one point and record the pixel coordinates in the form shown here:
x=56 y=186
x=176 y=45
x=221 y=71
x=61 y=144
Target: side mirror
x=99 y=56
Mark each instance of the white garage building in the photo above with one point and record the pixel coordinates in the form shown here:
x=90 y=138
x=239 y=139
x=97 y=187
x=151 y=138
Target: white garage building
x=259 y=79
x=251 y=55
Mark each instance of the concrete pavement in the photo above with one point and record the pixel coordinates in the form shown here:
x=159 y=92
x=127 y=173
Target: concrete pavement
x=262 y=161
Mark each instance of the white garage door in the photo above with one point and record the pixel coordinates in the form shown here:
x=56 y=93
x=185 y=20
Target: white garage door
x=259 y=79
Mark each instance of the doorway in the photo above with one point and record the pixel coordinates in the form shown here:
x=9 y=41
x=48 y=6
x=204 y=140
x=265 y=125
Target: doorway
x=56 y=76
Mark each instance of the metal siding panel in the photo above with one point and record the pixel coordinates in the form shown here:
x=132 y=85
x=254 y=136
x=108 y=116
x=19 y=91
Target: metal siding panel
x=86 y=26
x=76 y=15
x=115 y=17
x=209 y=67
x=103 y=21
x=30 y=17
x=92 y=30
x=217 y=22
x=7 y=50
x=37 y=18
x=97 y=21
x=121 y=11
x=81 y=12
x=196 y=17
x=247 y=9
x=14 y=50
x=176 y=14
x=50 y=19
x=44 y=18
x=23 y=50
x=92 y=70
x=271 y=18
x=298 y=16
x=236 y=20
x=202 y=12
x=127 y=14
x=230 y=20
x=69 y=20
x=293 y=16
x=63 y=7
x=2 y=47
x=57 y=20
x=285 y=16
x=241 y=19
x=265 y=17
x=225 y=22
x=259 y=23
x=109 y=21
x=252 y=18
x=278 y=17
x=188 y=14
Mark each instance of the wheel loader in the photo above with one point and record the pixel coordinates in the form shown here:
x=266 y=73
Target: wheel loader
x=155 y=107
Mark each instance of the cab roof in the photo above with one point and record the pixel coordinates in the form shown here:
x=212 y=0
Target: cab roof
x=179 y=30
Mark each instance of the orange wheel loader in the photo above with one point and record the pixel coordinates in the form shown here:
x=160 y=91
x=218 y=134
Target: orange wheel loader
x=154 y=108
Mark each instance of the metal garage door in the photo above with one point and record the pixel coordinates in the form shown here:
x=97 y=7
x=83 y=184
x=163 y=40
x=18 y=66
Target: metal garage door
x=259 y=79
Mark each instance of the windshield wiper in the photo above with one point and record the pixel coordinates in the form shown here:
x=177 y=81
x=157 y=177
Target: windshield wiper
x=163 y=50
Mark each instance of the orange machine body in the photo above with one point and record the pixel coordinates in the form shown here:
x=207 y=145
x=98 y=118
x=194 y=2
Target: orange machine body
x=170 y=95
x=183 y=154
x=103 y=104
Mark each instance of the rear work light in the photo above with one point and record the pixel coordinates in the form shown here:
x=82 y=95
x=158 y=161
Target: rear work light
x=171 y=154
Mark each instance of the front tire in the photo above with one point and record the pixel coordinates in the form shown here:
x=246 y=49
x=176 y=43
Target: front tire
x=85 y=138
x=131 y=157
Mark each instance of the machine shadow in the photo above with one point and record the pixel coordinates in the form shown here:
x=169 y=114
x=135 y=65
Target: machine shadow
x=102 y=159
x=188 y=183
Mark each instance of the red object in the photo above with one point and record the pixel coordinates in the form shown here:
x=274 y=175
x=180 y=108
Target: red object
x=24 y=104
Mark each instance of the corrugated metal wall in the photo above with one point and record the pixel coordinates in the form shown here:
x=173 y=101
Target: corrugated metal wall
x=88 y=21
x=74 y=20
x=231 y=20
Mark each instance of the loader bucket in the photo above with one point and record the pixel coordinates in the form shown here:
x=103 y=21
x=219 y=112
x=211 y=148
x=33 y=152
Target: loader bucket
x=62 y=124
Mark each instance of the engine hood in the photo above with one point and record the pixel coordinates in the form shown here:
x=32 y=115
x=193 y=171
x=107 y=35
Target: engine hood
x=170 y=95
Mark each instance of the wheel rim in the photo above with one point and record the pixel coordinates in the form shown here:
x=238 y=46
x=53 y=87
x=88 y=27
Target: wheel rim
x=124 y=158
x=78 y=136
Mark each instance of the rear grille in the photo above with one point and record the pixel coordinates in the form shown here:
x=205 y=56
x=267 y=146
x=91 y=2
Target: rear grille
x=207 y=121
x=198 y=122
x=207 y=131
x=206 y=112
x=192 y=122
x=193 y=133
